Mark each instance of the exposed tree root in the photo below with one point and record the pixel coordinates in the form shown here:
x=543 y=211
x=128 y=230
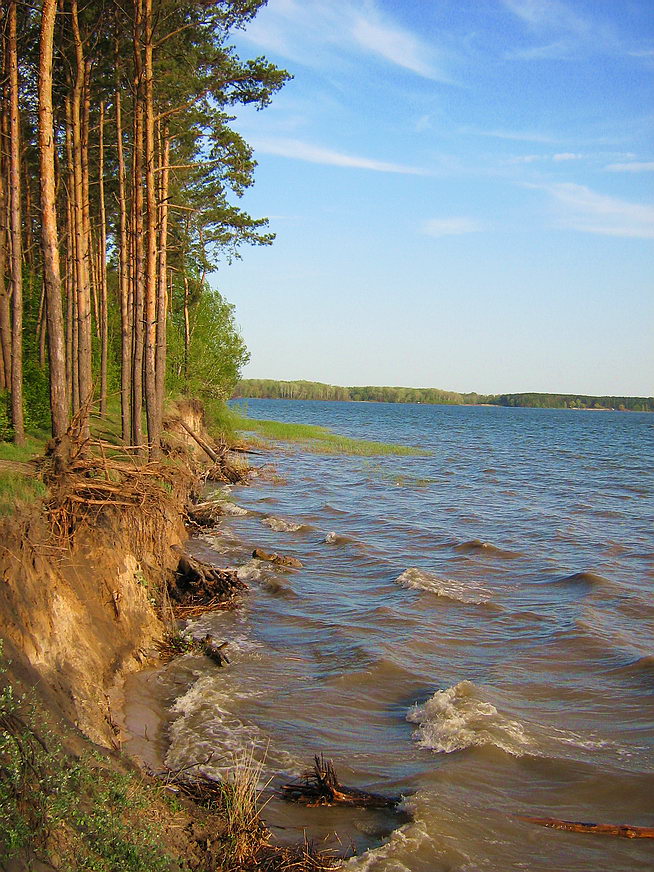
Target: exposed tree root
x=199 y=587
x=320 y=786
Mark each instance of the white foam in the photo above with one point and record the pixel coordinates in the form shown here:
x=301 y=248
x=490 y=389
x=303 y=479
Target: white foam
x=449 y=588
x=461 y=717
x=209 y=733
x=233 y=509
x=331 y=539
x=280 y=525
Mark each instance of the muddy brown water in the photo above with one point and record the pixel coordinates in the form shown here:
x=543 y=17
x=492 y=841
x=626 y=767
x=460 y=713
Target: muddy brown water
x=473 y=630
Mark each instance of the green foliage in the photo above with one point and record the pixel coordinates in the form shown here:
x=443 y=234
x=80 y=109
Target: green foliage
x=322 y=440
x=97 y=815
x=216 y=353
x=16 y=488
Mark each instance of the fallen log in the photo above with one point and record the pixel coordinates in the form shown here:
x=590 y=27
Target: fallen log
x=624 y=830
x=320 y=786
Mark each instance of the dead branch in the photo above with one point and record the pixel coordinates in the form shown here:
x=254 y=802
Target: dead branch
x=624 y=830
x=320 y=786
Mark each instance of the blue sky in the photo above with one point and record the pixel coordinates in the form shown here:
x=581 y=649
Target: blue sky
x=461 y=192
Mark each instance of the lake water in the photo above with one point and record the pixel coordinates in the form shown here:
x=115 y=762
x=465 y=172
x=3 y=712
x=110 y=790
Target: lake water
x=473 y=630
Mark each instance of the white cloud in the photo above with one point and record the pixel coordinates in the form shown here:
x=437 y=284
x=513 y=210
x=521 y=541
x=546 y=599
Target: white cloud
x=392 y=43
x=312 y=32
x=580 y=208
x=304 y=151
x=518 y=135
x=573 y=32
x=632 y=167
x=438 y=227
x=567 y=155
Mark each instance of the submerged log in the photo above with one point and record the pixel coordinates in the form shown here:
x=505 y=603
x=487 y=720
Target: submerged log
x=320 y=786
x=279 y=559
x=624 y=830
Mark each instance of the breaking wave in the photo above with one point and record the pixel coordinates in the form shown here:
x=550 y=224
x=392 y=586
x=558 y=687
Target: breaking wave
x=280 y=525
x=449 y=588
x=461 y=717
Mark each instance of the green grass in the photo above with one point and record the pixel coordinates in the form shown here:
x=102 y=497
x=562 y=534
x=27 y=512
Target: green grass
x=100 y=819
x=321 y=440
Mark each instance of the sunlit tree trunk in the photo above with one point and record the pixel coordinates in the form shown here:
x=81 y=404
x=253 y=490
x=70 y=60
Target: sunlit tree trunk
x=102 y=269
x=15 y=233
x=136 y=241
x=82 y=253
x=153 y=411
x=124 y=285
x=49 y=237
x=162 y=298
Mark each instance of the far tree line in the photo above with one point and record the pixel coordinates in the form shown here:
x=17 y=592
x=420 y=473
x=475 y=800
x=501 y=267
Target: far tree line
x=306 y=390
x=119 y=171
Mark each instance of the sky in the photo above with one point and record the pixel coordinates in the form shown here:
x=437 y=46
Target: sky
x=462 y=196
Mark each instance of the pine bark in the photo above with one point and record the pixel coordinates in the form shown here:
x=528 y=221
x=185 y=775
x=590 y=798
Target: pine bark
x=153 y=411
x=102 y=269
x=49 y=236
x=82 y=253
x=15 y=233
x=124 y=283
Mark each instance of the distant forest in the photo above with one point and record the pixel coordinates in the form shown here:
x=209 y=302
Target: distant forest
x=305 y=390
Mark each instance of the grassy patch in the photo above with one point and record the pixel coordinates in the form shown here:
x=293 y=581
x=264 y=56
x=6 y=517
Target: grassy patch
x=321 y=440
x=16 y=488
x=74 y=813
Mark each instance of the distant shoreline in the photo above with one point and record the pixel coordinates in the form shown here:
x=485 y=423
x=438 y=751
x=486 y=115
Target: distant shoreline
x=305 y=390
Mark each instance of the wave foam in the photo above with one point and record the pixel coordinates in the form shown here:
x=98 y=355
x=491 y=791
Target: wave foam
x=460 y=717
x=280 y=525
x=459 y=591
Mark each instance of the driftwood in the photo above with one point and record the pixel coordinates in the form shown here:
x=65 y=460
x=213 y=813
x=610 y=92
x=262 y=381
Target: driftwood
x=320 y=786
x=214 y=651
x=279 y=559
x=208 y=450
x=624 y=830
x=198 y=584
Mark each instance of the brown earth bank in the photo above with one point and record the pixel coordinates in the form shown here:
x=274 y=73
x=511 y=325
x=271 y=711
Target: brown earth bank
x=85 y=584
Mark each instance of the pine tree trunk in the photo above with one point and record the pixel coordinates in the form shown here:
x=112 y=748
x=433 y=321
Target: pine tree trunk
x=5 y=298
x=102 y=270
x=125 y=307
x=82 y=254
x=50 y=242
x=162 y=298
x=137 y=237
x=15 y=233
x=153 y=412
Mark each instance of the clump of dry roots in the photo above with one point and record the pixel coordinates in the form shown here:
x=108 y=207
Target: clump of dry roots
x=320 y=786
x=199 y=587
x=88 y=478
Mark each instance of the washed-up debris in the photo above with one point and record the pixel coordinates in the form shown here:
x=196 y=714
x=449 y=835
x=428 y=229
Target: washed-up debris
x=279 y=559
x=215 y=651
x=320 y=786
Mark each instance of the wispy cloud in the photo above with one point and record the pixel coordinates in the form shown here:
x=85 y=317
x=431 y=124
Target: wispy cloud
x=566 y=30
x=517 y=135
x=632 y=167
x=304 y=151
x=314 y=31
x=580 y=208
x=454 y=226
